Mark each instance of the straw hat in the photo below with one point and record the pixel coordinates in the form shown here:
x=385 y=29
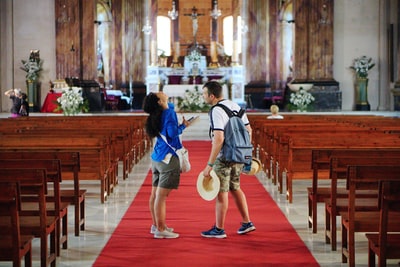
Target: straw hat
x=208 y=187
x=255 y=167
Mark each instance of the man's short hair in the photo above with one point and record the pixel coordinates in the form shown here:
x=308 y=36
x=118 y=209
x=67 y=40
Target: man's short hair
x=214 y=88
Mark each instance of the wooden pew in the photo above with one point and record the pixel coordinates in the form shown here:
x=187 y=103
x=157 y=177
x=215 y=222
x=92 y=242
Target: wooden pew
x=299 y=152
x=13 y=245
x=320 y=165
x=70 y=163
x=63 y=132
x=131 y=142
x=384 y=244
x=364 y=178
x=280 y=142
x=263 y=129
x=93 y=152
x=54 y=205
x=39 y=224
x=365 y=199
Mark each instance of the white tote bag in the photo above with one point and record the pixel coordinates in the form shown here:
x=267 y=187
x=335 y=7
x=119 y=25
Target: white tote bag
x=183 y=155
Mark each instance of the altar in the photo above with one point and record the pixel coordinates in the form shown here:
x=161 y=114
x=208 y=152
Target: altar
x=175 y=81
x=178 y=90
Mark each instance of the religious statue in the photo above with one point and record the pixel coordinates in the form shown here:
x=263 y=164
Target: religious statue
x=194 y=16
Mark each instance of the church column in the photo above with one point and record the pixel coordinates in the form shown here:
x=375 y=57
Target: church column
x=384 y=79
x=397 y=47
x=146 y=34
x=214 y=38
x=396 y=57
x=150 y=32
x=176 y=41
x=153 y=23
x=235 y=51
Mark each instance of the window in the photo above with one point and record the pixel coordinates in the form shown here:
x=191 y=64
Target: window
x=227 y=26
x=163 y=35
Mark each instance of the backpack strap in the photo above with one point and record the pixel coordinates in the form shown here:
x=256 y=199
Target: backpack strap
x=228 y=111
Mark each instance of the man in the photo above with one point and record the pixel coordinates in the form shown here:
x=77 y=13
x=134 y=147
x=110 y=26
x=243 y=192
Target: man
x=228 y=172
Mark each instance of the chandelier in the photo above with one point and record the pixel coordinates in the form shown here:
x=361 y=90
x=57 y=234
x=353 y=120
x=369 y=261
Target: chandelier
x=173 y=14
x=215 y=13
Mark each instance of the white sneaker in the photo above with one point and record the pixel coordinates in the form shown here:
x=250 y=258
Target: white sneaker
x=154 y=228
x=165 y=234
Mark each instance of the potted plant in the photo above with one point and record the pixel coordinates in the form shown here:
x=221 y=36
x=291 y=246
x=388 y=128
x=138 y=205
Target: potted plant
x=32 y=67
x=300 y=100
x=71 y=102
x=361 y=66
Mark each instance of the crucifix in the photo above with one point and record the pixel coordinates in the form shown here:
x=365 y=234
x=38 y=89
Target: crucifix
x=195 y=25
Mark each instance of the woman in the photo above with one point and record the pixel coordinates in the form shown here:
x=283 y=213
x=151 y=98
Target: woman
x=16 y=96
x=165 y=163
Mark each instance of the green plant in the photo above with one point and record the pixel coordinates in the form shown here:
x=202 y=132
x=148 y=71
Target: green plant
x=71 y=102
x=32 y=68
x=161 y=53
x=362 y=65
x=192 y=101
x=194 y=56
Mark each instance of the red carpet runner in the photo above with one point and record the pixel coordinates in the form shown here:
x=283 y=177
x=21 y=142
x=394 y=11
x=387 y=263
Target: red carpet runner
x=274 y=243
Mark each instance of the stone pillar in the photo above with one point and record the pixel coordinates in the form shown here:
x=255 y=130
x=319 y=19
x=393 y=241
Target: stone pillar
x=176 y=41
x=153 y=43
x=397 y=46
x=384 y=88
x=396 y=59
x=235 y=50
x=313 y=50
x=214 y=39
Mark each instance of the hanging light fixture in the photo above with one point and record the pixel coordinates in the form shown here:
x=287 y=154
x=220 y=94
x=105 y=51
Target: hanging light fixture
x=147 y=27
x=173 y=14
x=215 y=13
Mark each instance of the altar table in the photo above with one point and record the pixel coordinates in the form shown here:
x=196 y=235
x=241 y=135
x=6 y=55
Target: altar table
x=178 y=90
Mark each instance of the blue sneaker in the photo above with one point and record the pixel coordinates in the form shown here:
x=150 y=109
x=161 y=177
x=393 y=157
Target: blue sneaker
x=245 y=228
x=214 y=233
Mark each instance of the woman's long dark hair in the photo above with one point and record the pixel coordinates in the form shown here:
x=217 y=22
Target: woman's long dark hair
x=153 y=122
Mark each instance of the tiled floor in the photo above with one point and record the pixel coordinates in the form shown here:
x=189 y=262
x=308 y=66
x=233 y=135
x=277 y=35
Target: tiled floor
x=101 y=220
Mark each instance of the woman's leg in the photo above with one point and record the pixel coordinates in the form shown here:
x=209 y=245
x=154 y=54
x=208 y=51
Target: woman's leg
x=160 y=207
x=151 y=204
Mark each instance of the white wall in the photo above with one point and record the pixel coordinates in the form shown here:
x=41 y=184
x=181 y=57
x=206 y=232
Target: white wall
x=31 y=26
x=356 y=33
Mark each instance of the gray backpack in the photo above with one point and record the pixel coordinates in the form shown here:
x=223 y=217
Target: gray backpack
x=237 y=145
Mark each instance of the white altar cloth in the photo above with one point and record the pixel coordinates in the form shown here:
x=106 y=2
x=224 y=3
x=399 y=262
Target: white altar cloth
x=178 y=90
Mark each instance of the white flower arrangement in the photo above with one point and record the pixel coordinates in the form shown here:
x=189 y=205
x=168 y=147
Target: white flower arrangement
x=71 y=102
x=194 y=56
x=362 y=65
x=300 y=100
x=192 y=101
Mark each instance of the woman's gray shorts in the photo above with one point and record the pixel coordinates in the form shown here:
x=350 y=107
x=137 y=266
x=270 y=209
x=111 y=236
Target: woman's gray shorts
x=166 y=175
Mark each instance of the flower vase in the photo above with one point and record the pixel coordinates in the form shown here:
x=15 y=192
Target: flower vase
x=32 y=94
x=362 y=94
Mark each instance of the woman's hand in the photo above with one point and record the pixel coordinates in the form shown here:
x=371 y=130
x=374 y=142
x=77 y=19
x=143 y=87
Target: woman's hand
x=186 y=122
